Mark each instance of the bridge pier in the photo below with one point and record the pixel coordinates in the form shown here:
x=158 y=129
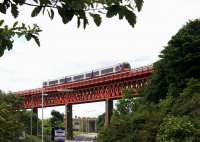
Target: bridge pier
x=108 y=113
x=68 y=121
x=34 y=121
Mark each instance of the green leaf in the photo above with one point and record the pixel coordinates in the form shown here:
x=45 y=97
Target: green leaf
x=28 y=37
x=66 y=14
x=2 y=8
x=21 y=2
x=9 y=44
x=19 y=34
x=130 y=17
x=14 y=10
x=23 y=26
x=60 y=10
x=121 y=13
x=78 y=22
x=82 y=14
x=36 y=1
x=43 y=10
x=45 y=2
x=112 y=11
x=1 y=22
x=36 y=11
x=77 y=5
x=36 y=39
x=139 y=4
x=68 y=17
x=51 y=14
x=2 y=50
x=96 y=18
x=85 y=23
x=15 y=24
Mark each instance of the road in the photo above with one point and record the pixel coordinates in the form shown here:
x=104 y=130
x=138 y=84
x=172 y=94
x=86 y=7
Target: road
x=90 y=137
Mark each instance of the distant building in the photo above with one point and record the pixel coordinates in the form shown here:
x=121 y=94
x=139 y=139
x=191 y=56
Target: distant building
x=85 y=124
x=76 y=124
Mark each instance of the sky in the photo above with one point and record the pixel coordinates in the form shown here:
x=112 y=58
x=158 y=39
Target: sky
x=66 y=50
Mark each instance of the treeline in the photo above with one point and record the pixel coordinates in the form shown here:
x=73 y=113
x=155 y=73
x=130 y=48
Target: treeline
x=10 y=126
x=15 y=121
x=169 y=107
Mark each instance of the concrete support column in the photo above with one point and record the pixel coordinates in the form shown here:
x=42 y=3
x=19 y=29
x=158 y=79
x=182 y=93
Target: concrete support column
x=108 y=113
x=35 y=128
x=68 y=121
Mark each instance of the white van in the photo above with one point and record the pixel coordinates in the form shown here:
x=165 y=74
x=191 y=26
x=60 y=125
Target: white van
x=59 y=135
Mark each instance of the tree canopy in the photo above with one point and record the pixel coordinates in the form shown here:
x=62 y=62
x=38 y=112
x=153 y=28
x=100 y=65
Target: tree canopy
x=179 y=62
x=14 y=121
x=169 y=109
x=57 y=119
x=10 y=126
x=80 y=10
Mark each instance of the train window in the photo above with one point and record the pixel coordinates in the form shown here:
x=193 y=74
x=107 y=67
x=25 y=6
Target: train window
x=106 y=71
x=95 y=73
x=53 y=82
x=62 y=80
x=79 y=77
x=44 y=83
x=68 y=79
x=88 y=75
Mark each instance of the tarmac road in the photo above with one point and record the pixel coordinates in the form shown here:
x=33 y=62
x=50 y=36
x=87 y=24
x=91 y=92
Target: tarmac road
x=90 y=137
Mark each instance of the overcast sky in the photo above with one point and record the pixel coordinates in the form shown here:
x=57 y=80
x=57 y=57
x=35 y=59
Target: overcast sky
x=66 y=50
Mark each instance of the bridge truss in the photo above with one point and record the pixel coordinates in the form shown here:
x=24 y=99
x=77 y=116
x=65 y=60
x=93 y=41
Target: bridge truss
x=109 y=87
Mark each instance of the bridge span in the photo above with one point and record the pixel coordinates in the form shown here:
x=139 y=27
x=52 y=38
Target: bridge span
x=104 y=88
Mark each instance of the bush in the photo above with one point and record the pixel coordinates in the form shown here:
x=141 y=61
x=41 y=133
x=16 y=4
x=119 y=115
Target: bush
x=176 y=129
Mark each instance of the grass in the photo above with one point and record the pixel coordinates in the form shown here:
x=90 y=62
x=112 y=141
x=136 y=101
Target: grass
x=76 y=133
x=32 y=138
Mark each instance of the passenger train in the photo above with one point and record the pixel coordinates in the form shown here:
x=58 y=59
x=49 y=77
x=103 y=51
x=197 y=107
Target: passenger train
x=88 y=75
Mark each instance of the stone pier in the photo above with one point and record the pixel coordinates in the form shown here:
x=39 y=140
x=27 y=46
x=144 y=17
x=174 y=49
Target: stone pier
x=108 y=112
x=68 y=121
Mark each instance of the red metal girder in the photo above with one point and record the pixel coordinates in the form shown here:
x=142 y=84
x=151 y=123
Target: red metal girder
x=100 y=93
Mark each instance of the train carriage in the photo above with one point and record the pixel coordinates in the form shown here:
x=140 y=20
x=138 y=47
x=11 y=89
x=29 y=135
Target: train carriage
x=88 y=75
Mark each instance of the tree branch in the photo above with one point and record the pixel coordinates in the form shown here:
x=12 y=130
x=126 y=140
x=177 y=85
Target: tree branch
x=54 y=6
x=35 y=5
